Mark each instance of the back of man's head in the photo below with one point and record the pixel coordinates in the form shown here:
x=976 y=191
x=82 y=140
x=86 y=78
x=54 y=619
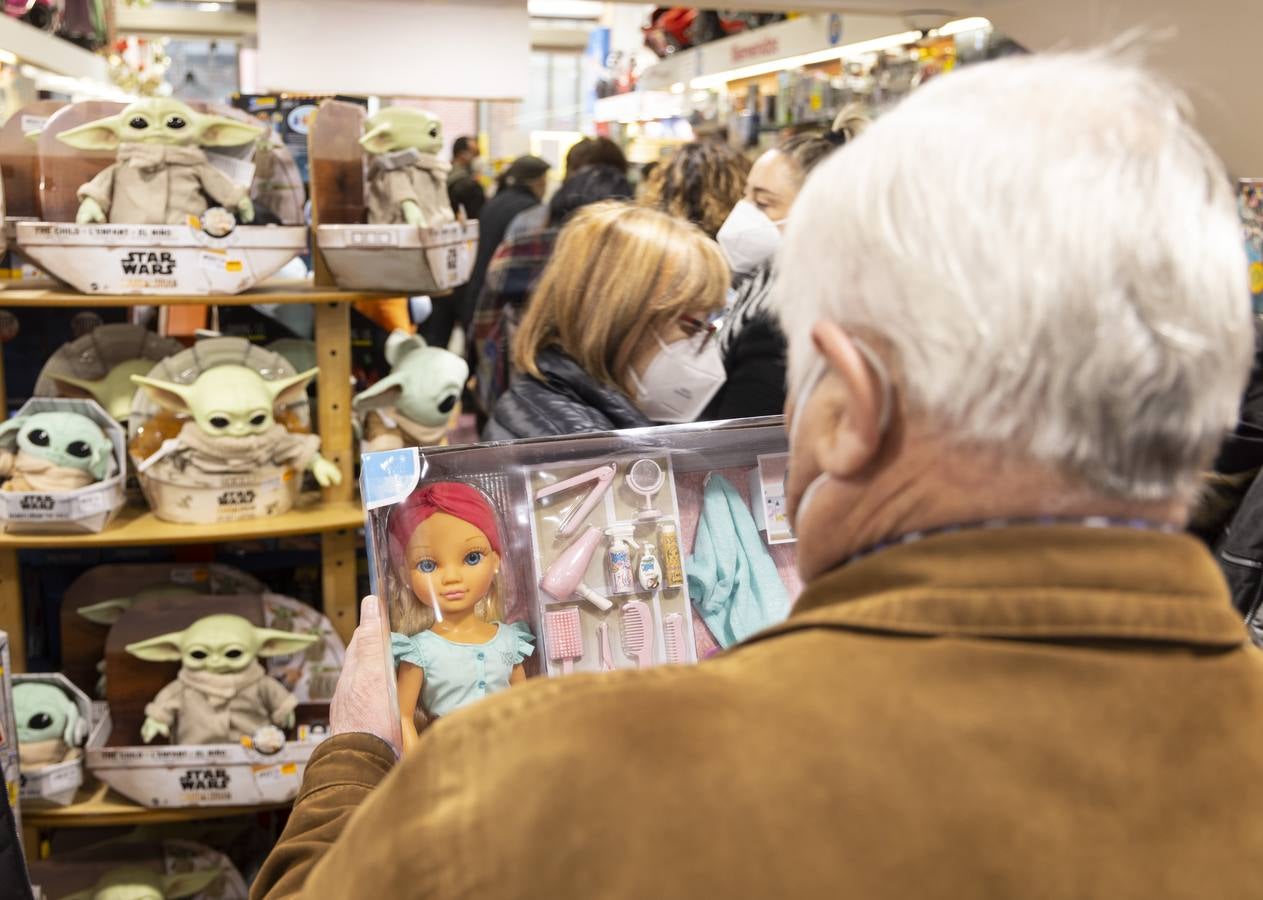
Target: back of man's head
x=1049 y=257
x=464 y=145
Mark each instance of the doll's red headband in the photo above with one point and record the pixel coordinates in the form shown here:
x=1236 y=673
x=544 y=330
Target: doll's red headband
x=460 y=500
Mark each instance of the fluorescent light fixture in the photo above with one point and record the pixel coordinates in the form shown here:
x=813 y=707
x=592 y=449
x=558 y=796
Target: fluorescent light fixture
x=8 y=57
x=845 y=51
x=959 y=26
x=876 y=45
x=208 y=7
x=677 y=88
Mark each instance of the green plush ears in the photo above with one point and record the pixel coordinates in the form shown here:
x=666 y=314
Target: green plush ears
x=378 y=140
x=186 y=884
x=287 y=391
x=163 y=648
x=100 y=465
x=103 y=134
x=140 y=881
x=9 y=431
x=386 y=392
x=221 y=131
x=166 y=394
x=282 y=643
x=107 y=612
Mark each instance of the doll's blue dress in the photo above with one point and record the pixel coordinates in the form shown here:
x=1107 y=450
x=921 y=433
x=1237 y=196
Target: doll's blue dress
x=457 y=674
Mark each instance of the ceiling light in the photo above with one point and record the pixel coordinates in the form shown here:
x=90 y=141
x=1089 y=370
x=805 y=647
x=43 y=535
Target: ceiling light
x=208 y=7
x=876 y=45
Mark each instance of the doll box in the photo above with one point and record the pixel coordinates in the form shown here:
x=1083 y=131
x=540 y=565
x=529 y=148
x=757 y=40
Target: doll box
x=399 y=257
x=663 y=505
x=83 y=510
x=56 y=784
x=159 y=259
x=269 y=491
x=15 y=269
x=9 y=774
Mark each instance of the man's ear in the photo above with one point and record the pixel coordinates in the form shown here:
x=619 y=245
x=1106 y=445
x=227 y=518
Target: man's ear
x=221 y=131
x=99 y=135
x=854 y=407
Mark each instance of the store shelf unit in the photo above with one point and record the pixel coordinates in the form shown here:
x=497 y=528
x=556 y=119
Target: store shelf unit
x=335 y=517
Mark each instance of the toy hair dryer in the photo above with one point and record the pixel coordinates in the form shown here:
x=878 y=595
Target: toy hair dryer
x=564 y=577
x=601 y=477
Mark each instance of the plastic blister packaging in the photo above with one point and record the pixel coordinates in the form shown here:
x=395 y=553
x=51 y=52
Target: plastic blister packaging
x=596 y=533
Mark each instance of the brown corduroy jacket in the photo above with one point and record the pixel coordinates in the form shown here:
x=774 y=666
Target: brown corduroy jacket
x=1036 y=712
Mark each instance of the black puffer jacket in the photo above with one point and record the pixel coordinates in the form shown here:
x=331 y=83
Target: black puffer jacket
x=568 y=401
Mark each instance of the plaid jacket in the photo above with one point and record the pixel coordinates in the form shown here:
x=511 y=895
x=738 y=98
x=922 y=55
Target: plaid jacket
x=511 y=276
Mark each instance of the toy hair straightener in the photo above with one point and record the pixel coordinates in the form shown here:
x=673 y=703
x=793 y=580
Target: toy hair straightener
x=601 y=477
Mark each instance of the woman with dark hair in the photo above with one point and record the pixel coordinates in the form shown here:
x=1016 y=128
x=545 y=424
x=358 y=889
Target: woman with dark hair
x=752 y=342
x=599 y=151
x=515 y=269
x=700 y=183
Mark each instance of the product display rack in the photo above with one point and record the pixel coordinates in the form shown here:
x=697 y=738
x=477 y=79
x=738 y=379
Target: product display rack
x=335 y=517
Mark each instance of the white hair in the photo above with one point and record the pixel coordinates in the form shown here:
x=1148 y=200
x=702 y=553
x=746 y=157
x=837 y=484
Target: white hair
x=1051 y=259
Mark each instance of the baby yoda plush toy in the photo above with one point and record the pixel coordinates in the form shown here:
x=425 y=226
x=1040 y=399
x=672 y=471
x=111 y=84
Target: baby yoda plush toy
x=55 y=451
x=50 y=729
x=162 y=175
x=407 y=182
x=142 y=883
x=114 y=391
x=222 y=693
x=412 y=406
x=233 y=431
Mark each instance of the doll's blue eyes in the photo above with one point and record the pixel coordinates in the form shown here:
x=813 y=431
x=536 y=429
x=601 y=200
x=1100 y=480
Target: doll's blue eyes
x=427 y=566
x=473 y=557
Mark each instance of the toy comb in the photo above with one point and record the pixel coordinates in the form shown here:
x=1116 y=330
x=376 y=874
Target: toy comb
x=602 y=477
x=673 y=639
x=638 y=632
x=565 y=637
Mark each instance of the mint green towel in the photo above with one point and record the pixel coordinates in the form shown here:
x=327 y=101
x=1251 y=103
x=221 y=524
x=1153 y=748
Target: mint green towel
x=732 y=580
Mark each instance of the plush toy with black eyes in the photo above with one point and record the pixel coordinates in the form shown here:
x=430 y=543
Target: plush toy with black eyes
x=233 y=431
x=50 y=729
x=162 y=175
x=222 y=693
x=54 y=451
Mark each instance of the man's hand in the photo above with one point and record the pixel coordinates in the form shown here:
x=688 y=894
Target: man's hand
x=364 y=699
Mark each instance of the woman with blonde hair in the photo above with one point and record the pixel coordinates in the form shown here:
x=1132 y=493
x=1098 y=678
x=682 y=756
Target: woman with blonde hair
x=619 y=331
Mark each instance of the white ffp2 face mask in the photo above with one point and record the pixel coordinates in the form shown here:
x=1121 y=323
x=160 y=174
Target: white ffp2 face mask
x=748 y=238
x=680 y=381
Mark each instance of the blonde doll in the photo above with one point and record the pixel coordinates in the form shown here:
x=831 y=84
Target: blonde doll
x=449 y=646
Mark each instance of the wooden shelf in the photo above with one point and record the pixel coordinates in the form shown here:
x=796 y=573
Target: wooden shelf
x=269 y=292
x=137 y=527
x=100 y=807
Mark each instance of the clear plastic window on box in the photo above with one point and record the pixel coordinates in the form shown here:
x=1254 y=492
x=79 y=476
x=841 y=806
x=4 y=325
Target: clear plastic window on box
x=596 y=534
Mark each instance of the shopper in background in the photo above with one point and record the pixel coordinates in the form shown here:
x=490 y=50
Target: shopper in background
x=464 y=153
x=1009 y=675
x=600 y=151
x=516 y=268
x=520 y=187
x=616 y=334
x=752 y=342
x=700 y=183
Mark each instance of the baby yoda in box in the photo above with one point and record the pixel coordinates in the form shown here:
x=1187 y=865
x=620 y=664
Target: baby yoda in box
x=222 y=693
x=162 y=175
x=142 y=883
x=407 y=182
x=55 y=451
x=233 y=431
x=413 y=405
x=50 y=729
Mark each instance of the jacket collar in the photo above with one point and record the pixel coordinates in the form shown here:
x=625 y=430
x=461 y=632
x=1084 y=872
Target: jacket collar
x=566 y=376
x=1031 y=582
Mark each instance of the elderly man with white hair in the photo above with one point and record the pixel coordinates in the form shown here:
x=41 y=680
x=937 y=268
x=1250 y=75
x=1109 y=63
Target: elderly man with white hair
x=1019 y=324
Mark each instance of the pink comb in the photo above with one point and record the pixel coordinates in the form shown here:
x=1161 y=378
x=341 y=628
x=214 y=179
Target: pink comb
x=638 y=632
x=673 y=638
x=565 y=637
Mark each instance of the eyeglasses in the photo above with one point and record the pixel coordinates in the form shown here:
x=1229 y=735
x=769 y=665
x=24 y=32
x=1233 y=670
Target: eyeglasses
x=693 y=326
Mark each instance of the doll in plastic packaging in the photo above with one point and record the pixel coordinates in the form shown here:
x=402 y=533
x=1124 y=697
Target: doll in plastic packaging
x=449 y=646
x=407 y=182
